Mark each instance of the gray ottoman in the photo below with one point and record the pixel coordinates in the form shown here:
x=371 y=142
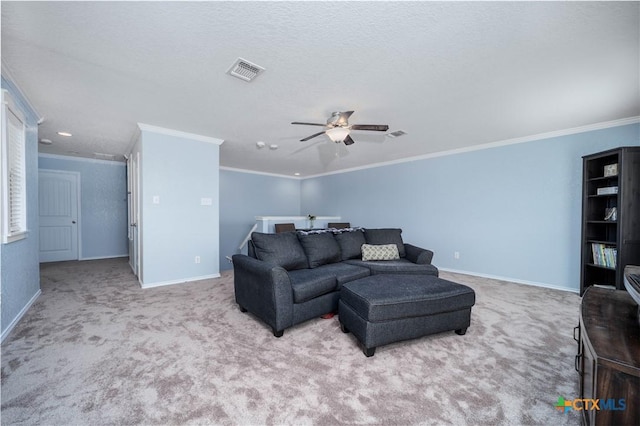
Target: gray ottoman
x=382 y=309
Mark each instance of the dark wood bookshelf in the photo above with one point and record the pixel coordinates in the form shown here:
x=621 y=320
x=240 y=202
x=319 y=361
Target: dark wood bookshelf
x=621 y=234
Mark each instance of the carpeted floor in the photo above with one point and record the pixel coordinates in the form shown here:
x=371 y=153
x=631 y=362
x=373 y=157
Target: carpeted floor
x=96 y=349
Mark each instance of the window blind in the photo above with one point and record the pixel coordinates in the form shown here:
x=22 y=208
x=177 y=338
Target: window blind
x=14 y=209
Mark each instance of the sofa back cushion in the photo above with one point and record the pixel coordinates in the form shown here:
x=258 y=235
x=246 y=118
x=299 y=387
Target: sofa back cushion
x=350 y=243
x=283 y=249
x=320 y=249
x=385 y=236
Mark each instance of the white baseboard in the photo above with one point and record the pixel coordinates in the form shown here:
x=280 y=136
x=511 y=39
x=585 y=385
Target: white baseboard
x=104 y=257
x=18 y=317
x=513 y=280
x=180 y=281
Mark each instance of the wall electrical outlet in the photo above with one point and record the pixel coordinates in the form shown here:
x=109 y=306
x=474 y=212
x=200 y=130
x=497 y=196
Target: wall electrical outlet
x=456 y=255
x=197 y=259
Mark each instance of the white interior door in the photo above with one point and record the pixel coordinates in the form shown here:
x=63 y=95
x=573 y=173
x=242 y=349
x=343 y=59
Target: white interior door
x=58 y=208
x=133 y=208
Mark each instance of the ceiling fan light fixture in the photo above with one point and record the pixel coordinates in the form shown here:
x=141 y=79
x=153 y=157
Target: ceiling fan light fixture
x=338 y=134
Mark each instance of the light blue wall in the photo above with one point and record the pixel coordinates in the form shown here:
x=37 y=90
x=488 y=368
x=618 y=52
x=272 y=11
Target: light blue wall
x=103 y=209
x=180 y=171
x=243 y=196
x=19 y=268
x=511 y=211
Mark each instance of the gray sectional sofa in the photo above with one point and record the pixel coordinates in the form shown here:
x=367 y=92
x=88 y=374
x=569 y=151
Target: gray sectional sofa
x=292 y=277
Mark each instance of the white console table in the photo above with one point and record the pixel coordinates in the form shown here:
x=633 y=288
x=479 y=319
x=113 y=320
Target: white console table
x=266 y=224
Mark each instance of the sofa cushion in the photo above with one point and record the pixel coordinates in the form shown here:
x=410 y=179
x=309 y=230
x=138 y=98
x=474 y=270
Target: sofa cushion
x=320 y=249
x=399 y=266
x=282 y=249
x=350 y=243
x=385 y=236
x=380 y=252
x=308 y=284
x=345 y=273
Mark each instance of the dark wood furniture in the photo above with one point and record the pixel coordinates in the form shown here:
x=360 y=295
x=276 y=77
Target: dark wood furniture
x=285 y=227
x=610 y=241
x=608 y=359
x=339 y=225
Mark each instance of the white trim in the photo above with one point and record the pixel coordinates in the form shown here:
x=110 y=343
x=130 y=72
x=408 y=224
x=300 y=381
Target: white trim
x=541 y=136
x=8 y=74
x=253 y=172
x=134 y=140
x=18 y=317
x=85 y=159
x=180 y=281
x=513 y=280
x=178 y=133
x=104 y=257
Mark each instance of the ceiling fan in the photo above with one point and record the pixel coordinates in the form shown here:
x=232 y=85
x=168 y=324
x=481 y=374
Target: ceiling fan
x=338 y=128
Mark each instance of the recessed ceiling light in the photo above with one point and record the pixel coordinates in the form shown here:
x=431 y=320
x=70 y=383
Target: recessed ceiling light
x=296 y=174
x=46 y=141
x=260 y=144
x=67 y=134
x=273 y=146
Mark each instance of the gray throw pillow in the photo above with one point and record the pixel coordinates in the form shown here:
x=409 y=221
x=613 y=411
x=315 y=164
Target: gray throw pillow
x=283 y=249
x=320 y=249
x=350 y=244
x=385 y=236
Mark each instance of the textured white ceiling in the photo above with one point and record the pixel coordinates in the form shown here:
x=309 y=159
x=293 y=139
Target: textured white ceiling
x=450 y=74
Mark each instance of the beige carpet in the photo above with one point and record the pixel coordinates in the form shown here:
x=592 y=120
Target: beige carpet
x=96 y=349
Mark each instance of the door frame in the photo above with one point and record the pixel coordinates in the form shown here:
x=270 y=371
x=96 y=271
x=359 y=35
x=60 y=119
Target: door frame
x=133 y=213
x=77 y=177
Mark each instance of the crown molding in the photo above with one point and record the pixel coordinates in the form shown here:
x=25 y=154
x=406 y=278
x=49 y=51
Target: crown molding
x=253 y=172
x=84 y=159
x=514 y=141
x=170 y=132
x=8 y=75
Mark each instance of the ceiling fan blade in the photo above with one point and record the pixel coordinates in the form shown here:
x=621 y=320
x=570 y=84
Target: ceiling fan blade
x=308 y=124
x=344 y=118
x=312 y=136
x=374 y=127
x=348 y=140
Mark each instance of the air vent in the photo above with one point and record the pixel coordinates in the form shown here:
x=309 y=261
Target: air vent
x=245 y=70
x=396 y=133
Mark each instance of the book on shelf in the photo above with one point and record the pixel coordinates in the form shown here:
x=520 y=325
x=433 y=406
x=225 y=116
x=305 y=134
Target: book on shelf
x=608 y=190
x=604 y=256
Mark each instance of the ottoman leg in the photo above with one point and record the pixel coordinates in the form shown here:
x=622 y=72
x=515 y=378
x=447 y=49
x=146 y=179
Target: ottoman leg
x=369 y=352
x=344 y=328
x=277 y=333
x=461 y=331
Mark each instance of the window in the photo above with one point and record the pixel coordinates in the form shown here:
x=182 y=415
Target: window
x=13 y=170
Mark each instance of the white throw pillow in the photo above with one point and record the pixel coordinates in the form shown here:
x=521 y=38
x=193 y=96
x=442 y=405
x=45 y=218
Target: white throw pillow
x=380 y=252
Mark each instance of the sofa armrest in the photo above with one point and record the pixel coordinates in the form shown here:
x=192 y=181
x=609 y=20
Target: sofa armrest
x=264 y=289
x=418 y=255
